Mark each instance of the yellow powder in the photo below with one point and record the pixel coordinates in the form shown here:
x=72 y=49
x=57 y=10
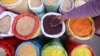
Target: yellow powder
x=25 y=26
x=81 y=51
x=5 y=24
x=8 y=1
x=27 y=50
x=53 y=51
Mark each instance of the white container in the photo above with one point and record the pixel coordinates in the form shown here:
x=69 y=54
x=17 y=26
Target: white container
x=49 y=35
x=66 y=10
x=20 y=7
x=12 y=16
x=36 y=10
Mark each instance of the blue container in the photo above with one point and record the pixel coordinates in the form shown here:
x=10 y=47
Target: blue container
x=36 y=43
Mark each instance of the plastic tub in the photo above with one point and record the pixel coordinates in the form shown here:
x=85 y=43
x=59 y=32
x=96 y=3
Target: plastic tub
x=50 y=35
x=9 y=26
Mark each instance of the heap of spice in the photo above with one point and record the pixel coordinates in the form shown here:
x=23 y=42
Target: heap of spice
x=81 y=27
x=31 y=50
x=47 y=25
x=18 y=6
x=5 y=24
x=53 y=48
x=67 y=5
x=26 y=26
x=81 y=51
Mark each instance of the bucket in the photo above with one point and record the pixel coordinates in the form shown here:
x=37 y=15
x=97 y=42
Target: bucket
x=53 y=48
x=78 y=49
x=26 y=26
x=49 y=31
x=19 y=6
x=6 y=20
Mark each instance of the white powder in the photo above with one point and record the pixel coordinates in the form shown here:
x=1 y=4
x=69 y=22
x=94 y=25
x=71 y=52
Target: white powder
x=50 y=1
x=67 y=4
x=5 y=24
x=25 y=26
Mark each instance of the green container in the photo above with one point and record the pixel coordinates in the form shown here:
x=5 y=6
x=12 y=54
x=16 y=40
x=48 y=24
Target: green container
x=53 y=48
x=52 y=7
x=41 y=14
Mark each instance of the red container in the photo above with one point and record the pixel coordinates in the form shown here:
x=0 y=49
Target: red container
x=72 y=45
x=35 y=30
x=9 y=45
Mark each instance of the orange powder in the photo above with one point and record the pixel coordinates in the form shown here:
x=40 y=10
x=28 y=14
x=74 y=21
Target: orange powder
x=81 y=27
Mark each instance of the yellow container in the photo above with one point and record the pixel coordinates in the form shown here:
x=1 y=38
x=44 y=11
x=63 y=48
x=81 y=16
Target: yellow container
x=71 y=33
x=19 y=6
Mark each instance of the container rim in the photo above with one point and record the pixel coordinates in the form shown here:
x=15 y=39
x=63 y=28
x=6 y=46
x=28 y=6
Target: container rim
x=12 y=15
x=41 y=5
x=27 y=42
x=72 y=6
x=49 y=35
x=14 y=4
x=84 y=45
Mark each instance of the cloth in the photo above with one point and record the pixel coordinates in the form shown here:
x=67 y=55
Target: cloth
x=91 y=8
